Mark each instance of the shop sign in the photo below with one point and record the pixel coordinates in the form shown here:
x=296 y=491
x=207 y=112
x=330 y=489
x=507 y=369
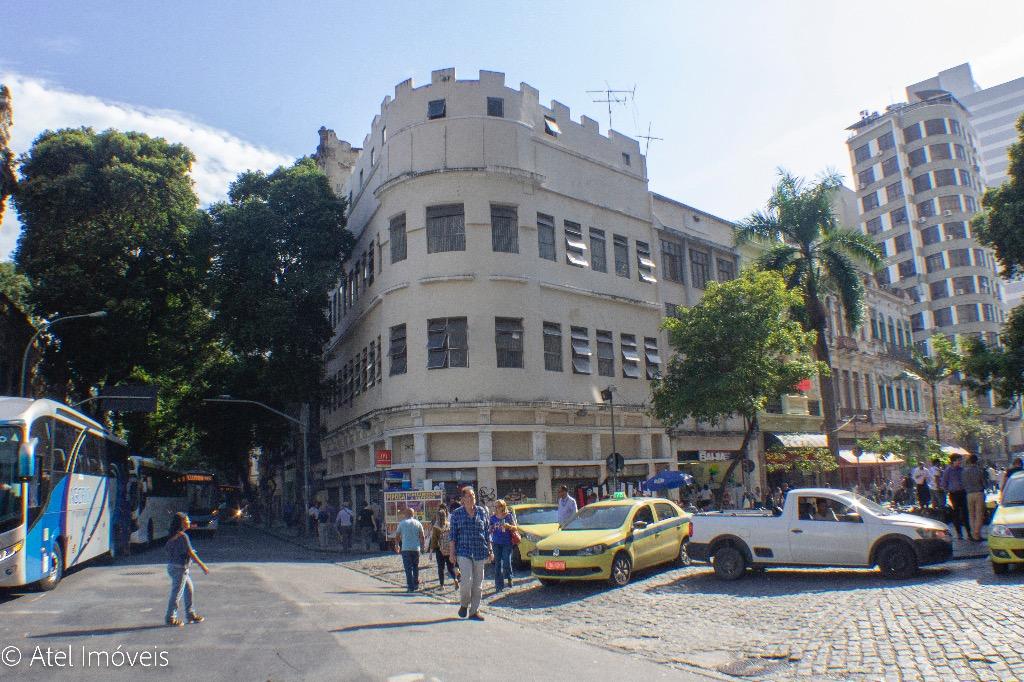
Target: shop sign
x=716 y=455
x=383 y=459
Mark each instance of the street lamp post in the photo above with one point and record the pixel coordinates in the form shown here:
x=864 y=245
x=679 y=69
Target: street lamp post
x=609 y=395
x=46 y=325
x=303 y=428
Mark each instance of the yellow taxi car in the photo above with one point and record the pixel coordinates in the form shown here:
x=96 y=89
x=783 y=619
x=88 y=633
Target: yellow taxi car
x=536 y=521
x=610 y=540
x=1006 y=533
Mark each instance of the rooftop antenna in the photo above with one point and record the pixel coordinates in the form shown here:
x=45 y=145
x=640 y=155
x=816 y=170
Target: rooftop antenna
x=612 y=97
x=649 y=137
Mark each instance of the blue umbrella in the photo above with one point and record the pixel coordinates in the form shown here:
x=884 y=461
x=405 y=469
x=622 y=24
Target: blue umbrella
x=668 y=479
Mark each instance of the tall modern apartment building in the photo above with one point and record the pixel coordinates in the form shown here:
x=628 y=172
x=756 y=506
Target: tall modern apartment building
x=994 y=113
x=918 y=182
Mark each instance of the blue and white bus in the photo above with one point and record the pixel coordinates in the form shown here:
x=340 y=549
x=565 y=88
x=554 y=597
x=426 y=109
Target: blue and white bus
x=62 y=491
x=156 y=492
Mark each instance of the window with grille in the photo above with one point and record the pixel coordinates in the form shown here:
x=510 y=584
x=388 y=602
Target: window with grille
x=598 y=251
x=546 y=237
x=926 y=209
x=934 y=263
x=935 y=126
x=605 y=353
x=970 y=203
x=938 y=290
x=671 y=310
x=898 y=217
x=644 y=264
x=965 y=178
x=943 y=317
x=954 y=125
x=672 y=261
x=369 y=263
x=621 y=247
x=346 y=384
x=552 y=347
x=945 y=177
x=902 y=242
x=446 y=343
x=907 y=269
x=579 y=341
x=446 y=228
x=873 y=226
x=959 y=151
x=967 y=312
x=397 y=239
x=955 y=230
x=990 y=312
x=397 y=350
x=866 y=177
x=504 y=229
x=912 y=132
x=963 y=285
x=983 y=285
x=630 y=356
x=508 y=341
x=959 y=258
x=652 y=358
x=886 y=142
x=862 y=153
x=893 y=191
x=379 y=362
x=496 y=107
x=575 y=249
x=436 y=109
x=940 y=152
x=364 y=371
x=700 y=269
x=726 y=269
x=917 y=158
x=371 y=365
x=869 y=201
x=923 y=182
x=890 y=166
x=950 y=203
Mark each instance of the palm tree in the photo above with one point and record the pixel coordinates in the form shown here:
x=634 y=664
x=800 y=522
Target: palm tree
x=818 y=257
x=933 y=369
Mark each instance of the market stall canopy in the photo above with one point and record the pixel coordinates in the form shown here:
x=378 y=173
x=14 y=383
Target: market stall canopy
x=800 y=440
x=954 y=450
x=667 y=480
x=848 y=457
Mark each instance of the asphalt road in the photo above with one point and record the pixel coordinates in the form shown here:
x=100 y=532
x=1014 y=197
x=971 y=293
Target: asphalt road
x=276 y=611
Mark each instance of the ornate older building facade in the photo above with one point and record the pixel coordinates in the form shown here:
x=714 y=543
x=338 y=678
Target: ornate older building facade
x=511 y=263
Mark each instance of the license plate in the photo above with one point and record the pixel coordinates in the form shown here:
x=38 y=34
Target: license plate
x=554 y=565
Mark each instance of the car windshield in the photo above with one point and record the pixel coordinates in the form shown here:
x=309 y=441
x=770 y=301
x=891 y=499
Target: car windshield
x=10 y=501
x=1013 y=493
x=537 y=515
x=871 y=506
x=598 y=518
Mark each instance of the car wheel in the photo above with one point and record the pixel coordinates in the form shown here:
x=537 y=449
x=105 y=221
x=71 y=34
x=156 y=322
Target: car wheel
x=729 y=563
x=622 y=570
x=1000 y=569
x=56 y=570
x=897 y=561
x=683 y=556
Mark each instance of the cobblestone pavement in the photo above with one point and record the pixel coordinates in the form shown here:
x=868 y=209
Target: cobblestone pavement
x=954 y=622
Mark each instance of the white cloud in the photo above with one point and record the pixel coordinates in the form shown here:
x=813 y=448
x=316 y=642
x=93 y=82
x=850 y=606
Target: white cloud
x=40 y=105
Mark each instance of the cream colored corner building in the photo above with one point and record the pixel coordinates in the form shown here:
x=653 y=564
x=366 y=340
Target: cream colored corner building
x=510 y=264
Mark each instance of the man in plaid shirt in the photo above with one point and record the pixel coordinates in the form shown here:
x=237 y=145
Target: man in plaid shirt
x=470 y=543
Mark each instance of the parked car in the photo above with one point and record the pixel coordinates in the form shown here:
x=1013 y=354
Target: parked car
x=610 y=540
x=820 y=527
x=536 y=520
x=1006 y=533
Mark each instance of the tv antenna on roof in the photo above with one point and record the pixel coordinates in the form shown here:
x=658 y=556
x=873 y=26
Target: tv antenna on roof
x=612 y=97
x=649 y=137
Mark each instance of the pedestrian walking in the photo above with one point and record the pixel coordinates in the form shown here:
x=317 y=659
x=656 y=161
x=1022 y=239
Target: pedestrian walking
x=973 y=479
x=323 y=525
x=470 y=544
x=440 y=546
x=410 y=540
x=935 y=483
x=952 y=483
x=705 y=497
x=921 y=475
x=343 y=522
x=566 y=505
x=314 y=517
x=180 y=555
x=367 y=526
x=503 y=523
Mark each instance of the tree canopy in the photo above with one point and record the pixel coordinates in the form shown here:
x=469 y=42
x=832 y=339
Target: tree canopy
x=15 y=285
x=733 y=352
x=1001 y=222
x=803 y=240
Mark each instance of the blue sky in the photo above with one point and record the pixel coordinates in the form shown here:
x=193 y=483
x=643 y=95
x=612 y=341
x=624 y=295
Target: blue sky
x=735 y=88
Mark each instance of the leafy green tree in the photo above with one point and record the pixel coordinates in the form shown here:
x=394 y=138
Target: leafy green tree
x=933 y=369
x=1001 y=222
x=966 y=427
x=15 y=285
x=1000 y=368
x=108 y=222
x=735 y=350
x=276 y=248
x=8 y=182
x=911 y=450
x=804 y=240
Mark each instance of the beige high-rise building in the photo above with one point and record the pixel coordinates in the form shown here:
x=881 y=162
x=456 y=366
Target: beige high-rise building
x=511 y=263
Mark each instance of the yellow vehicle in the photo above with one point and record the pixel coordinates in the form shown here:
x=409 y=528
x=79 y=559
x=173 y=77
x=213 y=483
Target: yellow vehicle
x=536 y=520
x=1006 y=533
x=610 y=540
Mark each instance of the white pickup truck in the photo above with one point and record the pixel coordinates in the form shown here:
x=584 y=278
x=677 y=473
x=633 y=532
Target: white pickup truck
x=819 y=527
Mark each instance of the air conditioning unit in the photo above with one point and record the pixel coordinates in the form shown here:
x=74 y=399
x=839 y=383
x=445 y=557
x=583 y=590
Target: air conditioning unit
x=880 y=152
x=947 y=213
x=922 y=220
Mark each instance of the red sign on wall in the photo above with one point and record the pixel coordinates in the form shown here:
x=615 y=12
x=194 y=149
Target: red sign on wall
x=383 y=459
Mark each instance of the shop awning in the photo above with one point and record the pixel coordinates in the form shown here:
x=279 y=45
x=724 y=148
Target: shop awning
x=800 y=440
x=848 y=457
x=954 y=450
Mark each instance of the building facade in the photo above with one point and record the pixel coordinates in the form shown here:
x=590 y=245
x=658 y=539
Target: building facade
x=511 y=263
x=918 y=184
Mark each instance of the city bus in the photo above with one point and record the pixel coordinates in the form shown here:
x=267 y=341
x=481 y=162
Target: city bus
x=156 y=493
x=204 y=500
x=62 y=491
